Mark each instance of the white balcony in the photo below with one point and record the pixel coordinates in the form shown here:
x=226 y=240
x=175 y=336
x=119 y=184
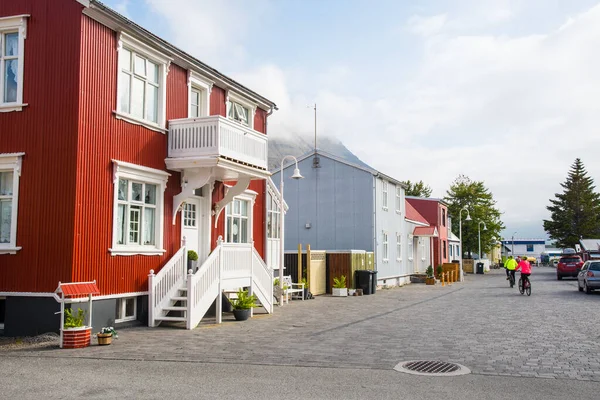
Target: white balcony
x=217 y=137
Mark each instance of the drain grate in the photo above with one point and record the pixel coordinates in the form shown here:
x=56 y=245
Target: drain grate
x=432 y=368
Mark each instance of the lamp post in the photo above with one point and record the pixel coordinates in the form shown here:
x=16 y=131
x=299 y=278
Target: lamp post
x=512 y=251
x=479 y=235
x=296 y=175
x=462 y=273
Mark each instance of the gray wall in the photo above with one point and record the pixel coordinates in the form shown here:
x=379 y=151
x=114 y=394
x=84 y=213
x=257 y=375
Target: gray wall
x=336 y=199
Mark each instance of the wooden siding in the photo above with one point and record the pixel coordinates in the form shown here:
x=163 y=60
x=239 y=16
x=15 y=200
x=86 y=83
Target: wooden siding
x=260 y=121
x=217 y=102
x=102 y=138
x=46 y=130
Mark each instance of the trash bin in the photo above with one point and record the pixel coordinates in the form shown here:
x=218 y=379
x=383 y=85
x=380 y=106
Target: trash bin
x=480 y=268
x=366 y=280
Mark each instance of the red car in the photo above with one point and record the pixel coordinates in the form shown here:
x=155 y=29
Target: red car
x=568 y=265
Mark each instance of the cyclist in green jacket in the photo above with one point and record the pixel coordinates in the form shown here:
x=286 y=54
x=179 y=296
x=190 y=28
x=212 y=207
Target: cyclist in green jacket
x=510 y=265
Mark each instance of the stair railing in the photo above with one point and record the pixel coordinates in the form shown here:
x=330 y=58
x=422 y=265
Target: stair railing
x=165 y=284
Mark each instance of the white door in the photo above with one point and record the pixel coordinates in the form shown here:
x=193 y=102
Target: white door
x=192 y=226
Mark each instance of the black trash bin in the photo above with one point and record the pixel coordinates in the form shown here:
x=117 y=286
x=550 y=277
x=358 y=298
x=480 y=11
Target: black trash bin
x=366 y=280
x=480 y=268
x=363 y=279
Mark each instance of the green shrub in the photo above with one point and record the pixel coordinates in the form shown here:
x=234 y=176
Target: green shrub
x=192 y=255
x=72 y=321
x=439 y=270
x=339 y=283
x=429 y=272
x=244 y=301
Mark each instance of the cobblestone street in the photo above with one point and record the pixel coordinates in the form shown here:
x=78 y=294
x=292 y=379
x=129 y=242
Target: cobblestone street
x=482 y=324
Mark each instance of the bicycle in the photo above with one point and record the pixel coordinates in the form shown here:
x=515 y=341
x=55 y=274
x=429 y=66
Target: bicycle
x=511 y=276
x=525 y=286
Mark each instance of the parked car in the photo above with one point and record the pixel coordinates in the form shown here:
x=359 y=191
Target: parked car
x=588 y=278
x=568 y=265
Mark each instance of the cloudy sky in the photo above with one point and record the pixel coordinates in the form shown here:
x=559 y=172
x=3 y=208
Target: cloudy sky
x=503 y=91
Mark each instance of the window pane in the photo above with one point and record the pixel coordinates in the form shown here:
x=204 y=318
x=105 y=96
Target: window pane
x=244 y=205
x=6 y=183
x=150 y=197
x=136 y=191
x=139 y=66
x=152 y=103
x=124 y=91
x=230 y=111
x=10 y=81
x=5 y=220
x=244 y=231
x=149 y=226
x=228 y=238
x=11 y=47
x=121 y=224
x=277 y=226
x=152 y=72
x=125 y=59
x=194 y=111
x=235 y=230
x=123 y=184
x=137 y=98
x=236 y=207
x=129 y=307
x=118 y=312
x=134 y=224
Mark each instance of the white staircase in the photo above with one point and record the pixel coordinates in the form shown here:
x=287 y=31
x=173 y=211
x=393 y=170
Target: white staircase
x=177 y=296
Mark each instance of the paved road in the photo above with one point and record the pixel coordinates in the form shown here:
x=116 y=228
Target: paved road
x=499 y=334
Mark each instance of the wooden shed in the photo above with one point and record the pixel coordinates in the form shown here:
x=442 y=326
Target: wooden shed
x=345 y=263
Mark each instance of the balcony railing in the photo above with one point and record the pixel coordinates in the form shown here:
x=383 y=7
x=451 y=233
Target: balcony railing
x=217 y=136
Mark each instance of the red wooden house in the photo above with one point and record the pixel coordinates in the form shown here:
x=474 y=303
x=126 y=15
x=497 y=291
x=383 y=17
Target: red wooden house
x=435 y=211
x=114 y=146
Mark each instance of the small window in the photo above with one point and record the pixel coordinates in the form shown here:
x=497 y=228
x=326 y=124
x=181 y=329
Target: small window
x=189 y=215
x=444 y=246
x=398 y=247
x=199 y=95
x=237 y=221
x=273 y=218
x=443 y=218
x=384 y=194
x=385 y=254
x=239 y=113
x=126 y=309
x=398 y=199
x=410 y=247
x=529 y=247
x=195 y=103
x=13 y=31
x=10 y=171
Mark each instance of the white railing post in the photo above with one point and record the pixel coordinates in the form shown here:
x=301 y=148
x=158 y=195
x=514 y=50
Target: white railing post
x=185 y=256
x=219 y=310
x=190 y=304
x=151 y=300
x=251 y=289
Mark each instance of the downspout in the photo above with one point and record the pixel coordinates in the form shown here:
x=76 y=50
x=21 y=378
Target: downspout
x=265 y=246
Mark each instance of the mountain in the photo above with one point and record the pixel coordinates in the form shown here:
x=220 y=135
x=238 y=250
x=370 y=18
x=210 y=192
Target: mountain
x=298 y=146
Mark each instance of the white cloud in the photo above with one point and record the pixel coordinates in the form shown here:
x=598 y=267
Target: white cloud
x=426 y=26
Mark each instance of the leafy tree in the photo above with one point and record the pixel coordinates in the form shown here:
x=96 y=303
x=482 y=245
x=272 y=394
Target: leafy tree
x=481 y=205
x=417 y=189
x=575 y=213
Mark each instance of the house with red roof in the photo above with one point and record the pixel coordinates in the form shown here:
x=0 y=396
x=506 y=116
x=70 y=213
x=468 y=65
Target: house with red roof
x=435 y=212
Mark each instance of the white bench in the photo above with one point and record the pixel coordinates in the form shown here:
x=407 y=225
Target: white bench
x=291 y=289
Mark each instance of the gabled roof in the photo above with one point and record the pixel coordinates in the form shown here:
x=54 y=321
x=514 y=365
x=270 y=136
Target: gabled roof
x=441 y=201
x=412 y=215
x=425 y=231
x=325 y=154
x=590 y=244
x=77 y=288
x=452 y=237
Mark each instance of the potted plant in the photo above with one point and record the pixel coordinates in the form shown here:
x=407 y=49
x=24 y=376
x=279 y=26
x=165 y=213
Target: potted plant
x=105 y=335
x=243 y=304
x=75 y=333
x=339 y=287
x=430 y=280
x=192 y=260
x=305 y=294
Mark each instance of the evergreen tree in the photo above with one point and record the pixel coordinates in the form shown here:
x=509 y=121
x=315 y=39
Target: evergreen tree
x=417 y=189
x=575 y=213
x=480 y=203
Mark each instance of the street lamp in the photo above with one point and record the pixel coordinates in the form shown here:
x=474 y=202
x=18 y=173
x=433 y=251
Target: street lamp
x=479 y=235
x=296 y=175
x=512 y=251
x=462 y=273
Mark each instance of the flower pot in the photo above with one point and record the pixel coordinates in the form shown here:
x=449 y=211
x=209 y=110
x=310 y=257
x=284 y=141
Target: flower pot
x=75 y=338
x=343 y=292
x=241 y=315
x=430 y=281
x=104 y=339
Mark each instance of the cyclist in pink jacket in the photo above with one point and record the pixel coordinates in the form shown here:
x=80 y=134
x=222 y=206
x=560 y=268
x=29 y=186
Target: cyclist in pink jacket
x=525 y=268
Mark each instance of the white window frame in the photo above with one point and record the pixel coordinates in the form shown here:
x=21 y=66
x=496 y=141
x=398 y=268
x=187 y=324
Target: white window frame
x=411 y=249
x=18 y=24
x=138 y=173
x=12 y=162
x=236 y=98
x=122 y=302
x=385 y=247
x=273 y=217
x=250 y=197
x=422 y=243
x=384 y=194
x=398 y=199
x=204 y=86
x=136 y=47
x=398 y=246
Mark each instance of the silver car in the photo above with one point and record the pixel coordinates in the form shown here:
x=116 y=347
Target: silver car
x=588 y=278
